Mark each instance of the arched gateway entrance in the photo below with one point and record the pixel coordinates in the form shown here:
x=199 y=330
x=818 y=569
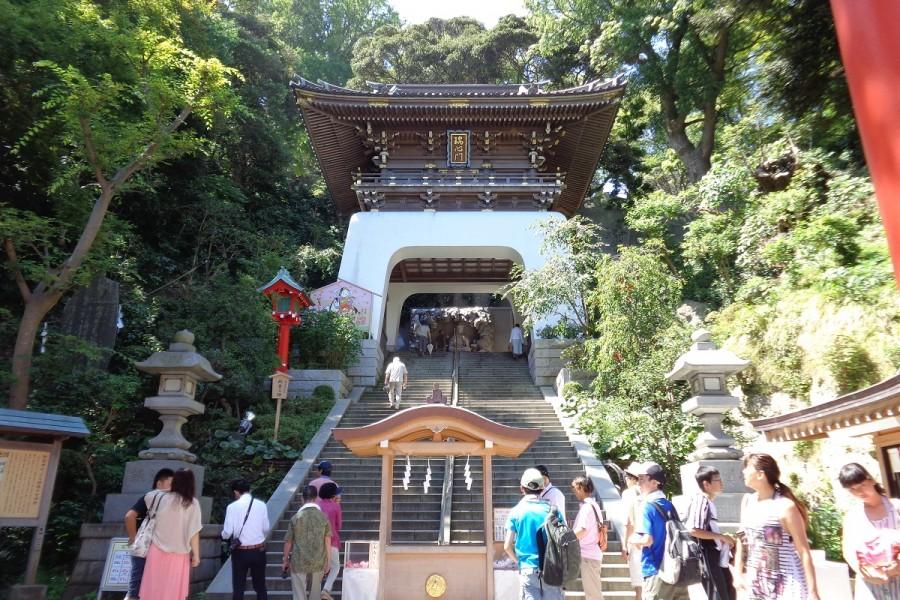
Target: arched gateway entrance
x=434 y=431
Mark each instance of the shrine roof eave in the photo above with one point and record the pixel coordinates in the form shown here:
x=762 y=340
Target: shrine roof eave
x=457 y=91
x=422 y=422
x=879 y=403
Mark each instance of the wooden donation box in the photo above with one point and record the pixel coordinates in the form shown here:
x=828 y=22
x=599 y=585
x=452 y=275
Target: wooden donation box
x=447 y=571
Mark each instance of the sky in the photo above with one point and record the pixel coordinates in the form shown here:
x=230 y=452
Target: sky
x=486 y=11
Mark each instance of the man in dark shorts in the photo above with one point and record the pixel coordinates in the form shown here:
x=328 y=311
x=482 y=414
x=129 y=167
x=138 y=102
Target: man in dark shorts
x=134 y=516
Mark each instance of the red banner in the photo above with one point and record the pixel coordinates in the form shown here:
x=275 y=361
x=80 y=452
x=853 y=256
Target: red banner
x=869 y=37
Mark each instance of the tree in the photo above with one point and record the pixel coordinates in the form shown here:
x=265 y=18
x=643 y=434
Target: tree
x=110 y=125
x=322 y=33
x=688 y=55
x=459 y=50
x=560 y=287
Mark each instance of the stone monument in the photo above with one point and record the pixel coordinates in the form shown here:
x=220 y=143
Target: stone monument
x=706 y=367
x=180 y=369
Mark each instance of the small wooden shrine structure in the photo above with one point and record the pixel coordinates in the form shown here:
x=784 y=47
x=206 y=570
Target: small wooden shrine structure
x=435 y=431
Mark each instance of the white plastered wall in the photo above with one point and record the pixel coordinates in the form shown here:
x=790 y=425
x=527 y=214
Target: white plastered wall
x=377 y=241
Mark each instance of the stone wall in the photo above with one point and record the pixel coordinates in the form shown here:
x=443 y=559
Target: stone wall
x=544 y=360
x=367 y=370
x=304 y=381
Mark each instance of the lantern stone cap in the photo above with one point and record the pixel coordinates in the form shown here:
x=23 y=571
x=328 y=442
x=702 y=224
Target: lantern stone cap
x=705 y=357
x=180 y=358
x=284 y=277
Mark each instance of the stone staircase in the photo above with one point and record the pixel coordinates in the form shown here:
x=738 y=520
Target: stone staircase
x=501 y=389
x=492 y=385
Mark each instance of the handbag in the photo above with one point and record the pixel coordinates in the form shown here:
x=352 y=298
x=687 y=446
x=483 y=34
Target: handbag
x=141 y=545
x=234 y=542
x=601 y=531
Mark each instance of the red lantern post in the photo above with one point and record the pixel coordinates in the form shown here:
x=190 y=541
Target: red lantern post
x=288 y=299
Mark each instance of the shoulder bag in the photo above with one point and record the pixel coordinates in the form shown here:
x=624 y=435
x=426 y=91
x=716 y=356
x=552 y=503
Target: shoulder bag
x=234 y=542
x=144 y=536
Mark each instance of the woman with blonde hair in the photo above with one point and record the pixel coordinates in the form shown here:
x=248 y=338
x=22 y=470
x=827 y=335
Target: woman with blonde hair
x=871 y=535
x=175 y=546
x=778 y=562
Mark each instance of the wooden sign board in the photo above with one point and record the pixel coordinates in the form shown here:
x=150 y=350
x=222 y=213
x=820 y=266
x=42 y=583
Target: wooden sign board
x=23 y=475
x=346 y=298
x=117 y=568
x=458 y=147
x=500 y=517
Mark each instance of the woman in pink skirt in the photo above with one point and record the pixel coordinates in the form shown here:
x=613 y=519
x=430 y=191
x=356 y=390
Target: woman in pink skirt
x=175 y=546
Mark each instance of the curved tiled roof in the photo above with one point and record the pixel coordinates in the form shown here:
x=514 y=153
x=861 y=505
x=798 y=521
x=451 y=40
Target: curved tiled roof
x=464 y=90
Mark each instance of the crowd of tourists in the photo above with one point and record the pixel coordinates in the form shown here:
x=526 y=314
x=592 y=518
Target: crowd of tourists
x=767 y=558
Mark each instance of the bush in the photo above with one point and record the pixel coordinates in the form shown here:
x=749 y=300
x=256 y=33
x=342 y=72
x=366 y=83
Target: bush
x=327 y=340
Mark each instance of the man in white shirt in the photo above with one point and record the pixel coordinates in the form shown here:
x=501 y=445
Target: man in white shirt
x=247 y=519
x=395 y=380
x=631 y=501
x=516 y=341
x=551 y=493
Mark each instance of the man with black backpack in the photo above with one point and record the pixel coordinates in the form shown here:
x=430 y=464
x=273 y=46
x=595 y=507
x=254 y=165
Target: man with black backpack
x=525 y=537
x=650 y=535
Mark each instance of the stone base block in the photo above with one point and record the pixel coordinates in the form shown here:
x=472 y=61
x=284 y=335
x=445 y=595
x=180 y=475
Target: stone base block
x=116 y=505
x=728 y=504
x=304 y=381
x=544 y=360
x=139 y=474
x=367 y=370
x=85 y=577
x=28 y=592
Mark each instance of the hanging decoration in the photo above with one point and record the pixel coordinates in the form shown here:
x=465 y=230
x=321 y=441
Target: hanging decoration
x=468 y=473
x=406 y=474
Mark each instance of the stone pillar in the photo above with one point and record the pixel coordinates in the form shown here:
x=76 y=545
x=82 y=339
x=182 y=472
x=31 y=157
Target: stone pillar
x=705 y=367
x=180 y=368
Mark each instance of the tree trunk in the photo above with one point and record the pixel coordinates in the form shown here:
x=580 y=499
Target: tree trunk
x=36 y=309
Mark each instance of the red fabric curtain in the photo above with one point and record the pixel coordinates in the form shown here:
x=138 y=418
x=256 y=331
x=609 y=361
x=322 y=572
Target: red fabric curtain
x=869 y=37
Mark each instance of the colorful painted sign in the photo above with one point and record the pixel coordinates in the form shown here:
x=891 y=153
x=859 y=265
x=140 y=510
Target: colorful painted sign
x=458 y=148
x=345 y=298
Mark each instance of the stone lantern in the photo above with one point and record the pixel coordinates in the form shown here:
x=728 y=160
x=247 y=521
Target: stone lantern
x=706 y=367
x=288 y=299
x=180 y=368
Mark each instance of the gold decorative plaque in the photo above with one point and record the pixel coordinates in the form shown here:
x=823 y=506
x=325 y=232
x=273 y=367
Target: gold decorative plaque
x=435 y=586
x=458 y=148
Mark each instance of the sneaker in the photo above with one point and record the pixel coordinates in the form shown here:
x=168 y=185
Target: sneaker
x=326 y=595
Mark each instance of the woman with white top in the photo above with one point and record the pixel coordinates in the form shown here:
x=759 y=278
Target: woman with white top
x=871 y=533
x=175 y=545
x=779 y=563
x=591 y=533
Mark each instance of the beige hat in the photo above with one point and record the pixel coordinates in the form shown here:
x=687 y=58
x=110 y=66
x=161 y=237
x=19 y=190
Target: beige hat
x=532 y=480
x=634 y=468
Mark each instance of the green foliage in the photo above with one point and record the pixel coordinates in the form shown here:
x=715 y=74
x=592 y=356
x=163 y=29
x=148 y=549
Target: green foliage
x=558 y=289
x=328 y=340
x=458 y=50
x=850 y=364
x=825 y=523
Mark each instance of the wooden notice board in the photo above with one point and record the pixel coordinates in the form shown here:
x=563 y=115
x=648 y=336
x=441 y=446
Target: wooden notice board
x=23 y=474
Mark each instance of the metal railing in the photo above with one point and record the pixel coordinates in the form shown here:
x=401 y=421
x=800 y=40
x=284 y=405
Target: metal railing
x=447 y=490
x=444 y=180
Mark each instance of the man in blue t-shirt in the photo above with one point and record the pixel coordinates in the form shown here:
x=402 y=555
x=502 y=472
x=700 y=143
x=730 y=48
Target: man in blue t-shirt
x=650 y=534
x=522 y=528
